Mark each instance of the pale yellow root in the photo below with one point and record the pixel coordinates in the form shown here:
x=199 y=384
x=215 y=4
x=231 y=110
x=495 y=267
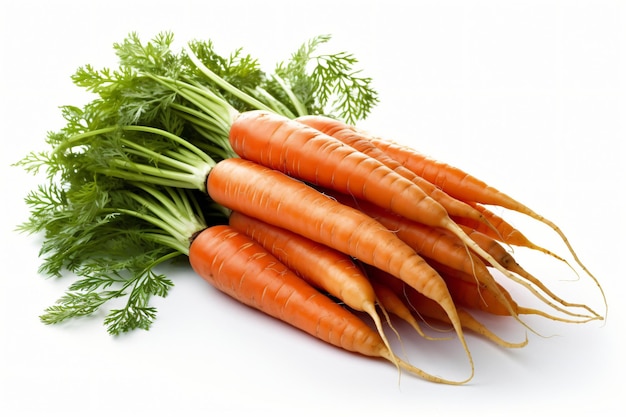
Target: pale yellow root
x=528 y=311
x=516 y=268
x=388 y=300
x=516 y=206
x=470 y=323
x=474 y=247
x=370 y=309
x=425 y=375
x=509 y=262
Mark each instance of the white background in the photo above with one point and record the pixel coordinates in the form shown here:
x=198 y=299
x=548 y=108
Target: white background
x=529 y=95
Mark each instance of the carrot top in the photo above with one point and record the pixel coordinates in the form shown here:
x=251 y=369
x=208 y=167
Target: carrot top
x=122 y=174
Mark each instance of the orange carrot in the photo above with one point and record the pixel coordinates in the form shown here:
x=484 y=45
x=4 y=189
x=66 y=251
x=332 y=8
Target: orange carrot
x=282 y=201
x=502 y=230
x=468 y=293
x=425 y=308
x=319 y=265
x=440 y=246
x=429 y=242
x=508 y=261
x=306 y=153
x=241 y=268
x=444 y=248
x=352 y=137
x=393 y=304
x=309 y=155
x=459 y=184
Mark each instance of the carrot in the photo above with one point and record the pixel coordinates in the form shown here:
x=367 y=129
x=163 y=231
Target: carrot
x=463 y=213
x=508 y=261
x=429 y=242
x=322 y=267
x=309 y=155
x=394 y=305
x=445 y=249
x=503 y=231
x=427 y=309
x=465 y=187
x=238 y=266
x=466 y=292
x=352 y=137
x=306 y=153
x=282 y=201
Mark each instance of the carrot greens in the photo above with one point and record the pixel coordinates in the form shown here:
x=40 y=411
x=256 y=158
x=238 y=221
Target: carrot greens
x=118 y=252
x=117 y=169
x=333 y=87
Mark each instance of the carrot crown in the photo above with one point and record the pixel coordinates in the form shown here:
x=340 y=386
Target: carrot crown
x=123 y=173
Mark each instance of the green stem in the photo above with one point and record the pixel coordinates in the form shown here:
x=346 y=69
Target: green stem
x=175 y=138
x=77 y=139
x=156 y=221
x=199 y=118
x=181 y=209
x=218 y=111
x=301 y=110
x=195 y=166
x=276 y=105
x=170 y=212
x=171 y=242
x=133 y=171
x=225 y=85
x=172 y=159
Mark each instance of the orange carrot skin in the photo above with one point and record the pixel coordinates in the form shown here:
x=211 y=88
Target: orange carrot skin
x=506 y=233
x=470 y=189
x=322 y=267
x=392 y=302
x=426 y=308
x=491 y=246
x=360 y=141
x=470 y=296
x=452 y=180
x=443 y=252
x=422 y=305
x=305 y=153
x=282 y=201
x=468 y=293
x=431 y=243
x=349 y=135
x=241 y=268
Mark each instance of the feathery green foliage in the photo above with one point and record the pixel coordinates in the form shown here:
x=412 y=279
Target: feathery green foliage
x=126 y=174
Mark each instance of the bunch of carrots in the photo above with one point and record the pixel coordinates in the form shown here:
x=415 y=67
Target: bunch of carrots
x=264 y=182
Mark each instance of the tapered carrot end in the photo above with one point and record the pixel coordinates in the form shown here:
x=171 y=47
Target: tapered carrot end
x=538 y=217
x=579 y=318
x=423 y=374
x=370 y=309
x=471 y=323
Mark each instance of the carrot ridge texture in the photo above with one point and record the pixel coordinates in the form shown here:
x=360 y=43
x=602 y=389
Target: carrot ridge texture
x=238 y=266
x=352 y=137
x=470 y=189
x=444 y=249
x=429 y=242
x=322 y=267
x=310 y=155
x=297 y=150
x=278 y=199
